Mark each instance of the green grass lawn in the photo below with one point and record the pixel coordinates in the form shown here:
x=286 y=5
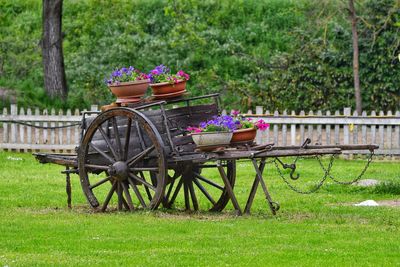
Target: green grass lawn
x=321 y=229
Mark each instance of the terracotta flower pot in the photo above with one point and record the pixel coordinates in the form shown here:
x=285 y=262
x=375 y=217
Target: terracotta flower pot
x=129 y=91
x=168 y=89
x=244 y=135
x=208 y=140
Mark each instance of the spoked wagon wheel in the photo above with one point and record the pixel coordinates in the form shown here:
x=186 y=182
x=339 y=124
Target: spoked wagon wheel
x=197 y=186
x=122 y=162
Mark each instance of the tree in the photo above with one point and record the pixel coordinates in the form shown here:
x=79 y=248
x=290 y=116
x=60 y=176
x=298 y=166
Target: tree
x=52 y=52
x=357 y=89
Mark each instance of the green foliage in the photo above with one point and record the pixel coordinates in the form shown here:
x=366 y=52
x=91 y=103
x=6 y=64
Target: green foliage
x=281 y=54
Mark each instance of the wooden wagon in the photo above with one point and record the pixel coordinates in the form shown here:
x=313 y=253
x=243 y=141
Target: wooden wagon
x=143 y=155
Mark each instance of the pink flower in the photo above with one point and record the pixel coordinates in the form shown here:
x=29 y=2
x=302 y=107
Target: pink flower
x=262 y=125
x=235 y=113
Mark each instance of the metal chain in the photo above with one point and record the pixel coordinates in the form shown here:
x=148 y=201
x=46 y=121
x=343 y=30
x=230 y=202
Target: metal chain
x=369 y=160
x=43 y=127
x=318 y=186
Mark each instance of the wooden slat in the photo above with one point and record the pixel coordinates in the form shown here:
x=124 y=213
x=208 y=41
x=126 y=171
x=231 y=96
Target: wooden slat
x=276 y=133
x=267 y=131
x=319 y=129
x=302 y=136
x=337 y=130
x=68 y=137
x=76 y=130
x=328 y=130
x=364 y=130
x=21 y=129
x=60 y=131
x=310 y=129
x=5 y=127
x=293 y=131
x=284 y=131
x=53 y=131
x=259 y=111
x=29 y=129
x=354 y=130
x=388 y=139
x=381 y=133
x=373 y=129
x=37 y=131
x=45 y=131
x=346 y=129
x=14 y=133
x=397 y=133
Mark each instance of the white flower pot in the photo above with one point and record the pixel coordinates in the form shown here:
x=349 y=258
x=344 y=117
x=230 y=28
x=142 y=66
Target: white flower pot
x=212 y=138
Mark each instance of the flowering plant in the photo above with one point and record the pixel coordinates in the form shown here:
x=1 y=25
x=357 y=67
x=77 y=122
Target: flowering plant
x=162 y=74
x=126 y=75
x=247 y=123
x=217 y=124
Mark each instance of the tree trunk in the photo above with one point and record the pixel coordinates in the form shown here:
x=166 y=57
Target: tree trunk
x=52 y=52
x=357 y=89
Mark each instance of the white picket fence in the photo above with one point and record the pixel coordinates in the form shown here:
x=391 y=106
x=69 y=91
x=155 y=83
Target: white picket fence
x=286 y=129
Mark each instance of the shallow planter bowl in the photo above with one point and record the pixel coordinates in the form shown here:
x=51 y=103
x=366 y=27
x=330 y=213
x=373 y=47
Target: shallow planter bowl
x=135 y=89
x=244 y=135
x=212 y=138
x=168 y=88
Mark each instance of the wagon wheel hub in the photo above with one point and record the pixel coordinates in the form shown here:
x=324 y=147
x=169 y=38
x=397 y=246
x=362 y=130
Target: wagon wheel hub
x=119 y=170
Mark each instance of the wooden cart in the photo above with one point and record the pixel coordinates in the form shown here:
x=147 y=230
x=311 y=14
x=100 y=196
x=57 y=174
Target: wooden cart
x=146 y=158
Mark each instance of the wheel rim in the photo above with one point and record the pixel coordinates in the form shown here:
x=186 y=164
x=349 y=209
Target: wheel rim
x=122 y=162
x=199 y=190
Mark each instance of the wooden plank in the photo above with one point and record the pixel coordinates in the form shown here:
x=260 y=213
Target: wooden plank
x=319 y=129
x=302 y=137
x=373 y=129
x=5 y=127
x=45 y=131
x=53 y=131
x=284 y=131
x=68 y=137
x=37 y=131
x=267 y=131
x=397 y=133
x=364 y=130
x=259 y=111
x=328 y=130
x=388 y=139
x=293 y=131
x=381 y=132
x=14 y=132
x=60 y=131
x=337 y=130
x=354 y=129
x=21 y=129
x=346 y=130
x=76 y=129
x=29 y=129
x=276 y=130
x=310 y=129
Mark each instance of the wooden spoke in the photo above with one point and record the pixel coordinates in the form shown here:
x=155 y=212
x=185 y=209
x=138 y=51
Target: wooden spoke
x=170 y=189
x=186 y=193
x=193 y=195
x=128 y=196
x=99 y=167
x=139 y=195
x=145 y=188
x=136 y=158
x=208 y=181
x=140 y=135
x=204 y=191
x=100 y=182
x=119 y=194
x=111 y=160
x=177 y=189
x=108 y=142
x=140 y=180
x=107 y=200
x=117 y=138
x=127 y=138
x=140 y=169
